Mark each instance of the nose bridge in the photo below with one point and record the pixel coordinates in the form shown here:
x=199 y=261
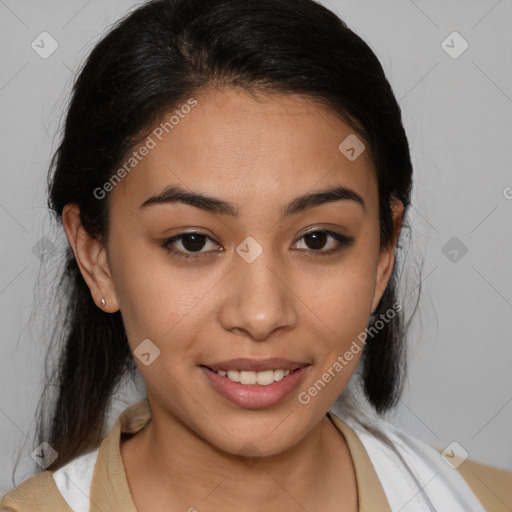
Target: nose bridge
x=259 y=302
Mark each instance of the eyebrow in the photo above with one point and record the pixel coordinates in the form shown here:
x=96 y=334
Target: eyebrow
x=175 y=194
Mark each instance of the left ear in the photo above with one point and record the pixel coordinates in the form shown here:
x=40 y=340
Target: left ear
x=387 y=256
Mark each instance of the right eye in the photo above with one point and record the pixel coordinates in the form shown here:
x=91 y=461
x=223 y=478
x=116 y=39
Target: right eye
x=192 y=243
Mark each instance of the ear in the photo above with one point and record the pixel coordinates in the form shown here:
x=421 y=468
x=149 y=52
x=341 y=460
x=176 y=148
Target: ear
x=91 y=257
x=387 y=256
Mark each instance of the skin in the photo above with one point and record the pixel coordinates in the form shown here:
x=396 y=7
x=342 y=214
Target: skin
x=258 y=153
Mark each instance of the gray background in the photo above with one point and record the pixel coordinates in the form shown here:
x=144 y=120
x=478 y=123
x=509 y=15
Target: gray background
x=457 y=113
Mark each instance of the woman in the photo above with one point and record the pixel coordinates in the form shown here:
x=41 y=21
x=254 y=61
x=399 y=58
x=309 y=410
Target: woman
x=233 y=179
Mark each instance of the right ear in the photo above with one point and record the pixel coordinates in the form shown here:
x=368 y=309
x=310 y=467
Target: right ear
x=91 y=257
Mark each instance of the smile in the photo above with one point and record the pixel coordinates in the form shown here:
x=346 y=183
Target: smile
x=255 y=389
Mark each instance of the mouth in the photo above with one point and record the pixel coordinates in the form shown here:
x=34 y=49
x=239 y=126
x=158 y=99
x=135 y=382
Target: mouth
x=255 y=384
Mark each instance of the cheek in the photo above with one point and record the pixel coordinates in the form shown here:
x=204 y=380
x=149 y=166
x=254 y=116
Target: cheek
x=344 y=312
x=159 y=300
x=341 y=302
x=343 y=296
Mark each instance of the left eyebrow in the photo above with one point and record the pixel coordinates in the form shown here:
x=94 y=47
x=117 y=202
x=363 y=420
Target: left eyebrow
x=175 y=194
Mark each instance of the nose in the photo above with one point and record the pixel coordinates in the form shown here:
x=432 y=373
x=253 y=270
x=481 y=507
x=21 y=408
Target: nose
x=258 y=299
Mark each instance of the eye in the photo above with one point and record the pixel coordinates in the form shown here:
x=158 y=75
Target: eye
x=317 y=239
x=193 y=242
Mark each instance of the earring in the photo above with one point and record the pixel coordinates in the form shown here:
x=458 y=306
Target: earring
x=103 y=302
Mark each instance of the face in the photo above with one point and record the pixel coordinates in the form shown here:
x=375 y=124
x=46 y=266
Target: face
x=253 y=274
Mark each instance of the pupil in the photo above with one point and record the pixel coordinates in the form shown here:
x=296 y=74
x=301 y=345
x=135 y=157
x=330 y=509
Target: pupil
x=318 y=240
x=193 y=242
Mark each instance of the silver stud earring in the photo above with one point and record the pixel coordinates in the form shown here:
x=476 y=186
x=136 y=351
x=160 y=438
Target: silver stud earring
x=103 y=302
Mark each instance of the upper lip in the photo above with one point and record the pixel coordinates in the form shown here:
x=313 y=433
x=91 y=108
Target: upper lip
x=256 y=365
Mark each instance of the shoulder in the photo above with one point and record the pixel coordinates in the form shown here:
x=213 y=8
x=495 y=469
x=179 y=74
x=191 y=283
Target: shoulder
x=492 y=485
x=38 y=492
x=51 y=491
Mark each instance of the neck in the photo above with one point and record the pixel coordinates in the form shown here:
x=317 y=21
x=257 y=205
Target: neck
x=182 y=468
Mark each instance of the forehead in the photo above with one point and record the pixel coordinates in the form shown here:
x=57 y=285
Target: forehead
x=245 y=149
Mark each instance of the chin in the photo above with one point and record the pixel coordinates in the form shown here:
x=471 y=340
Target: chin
x=256 y=434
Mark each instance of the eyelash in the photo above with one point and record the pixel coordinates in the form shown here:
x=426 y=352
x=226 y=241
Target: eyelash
x=343 y=241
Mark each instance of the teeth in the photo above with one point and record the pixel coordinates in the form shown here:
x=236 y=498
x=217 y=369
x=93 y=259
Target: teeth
x=279 y=374
x=233 y=375
x=264 y=378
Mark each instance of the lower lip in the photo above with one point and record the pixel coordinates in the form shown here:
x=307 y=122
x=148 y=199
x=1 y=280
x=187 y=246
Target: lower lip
x=255 y=396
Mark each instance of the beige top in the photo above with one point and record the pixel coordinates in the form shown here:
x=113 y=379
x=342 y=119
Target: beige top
x=110 y=491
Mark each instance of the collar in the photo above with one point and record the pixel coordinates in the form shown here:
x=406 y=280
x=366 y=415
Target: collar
x=110 y=490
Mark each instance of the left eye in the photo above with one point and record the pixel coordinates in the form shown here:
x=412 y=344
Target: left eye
x=193 y=242
x=317 y=239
